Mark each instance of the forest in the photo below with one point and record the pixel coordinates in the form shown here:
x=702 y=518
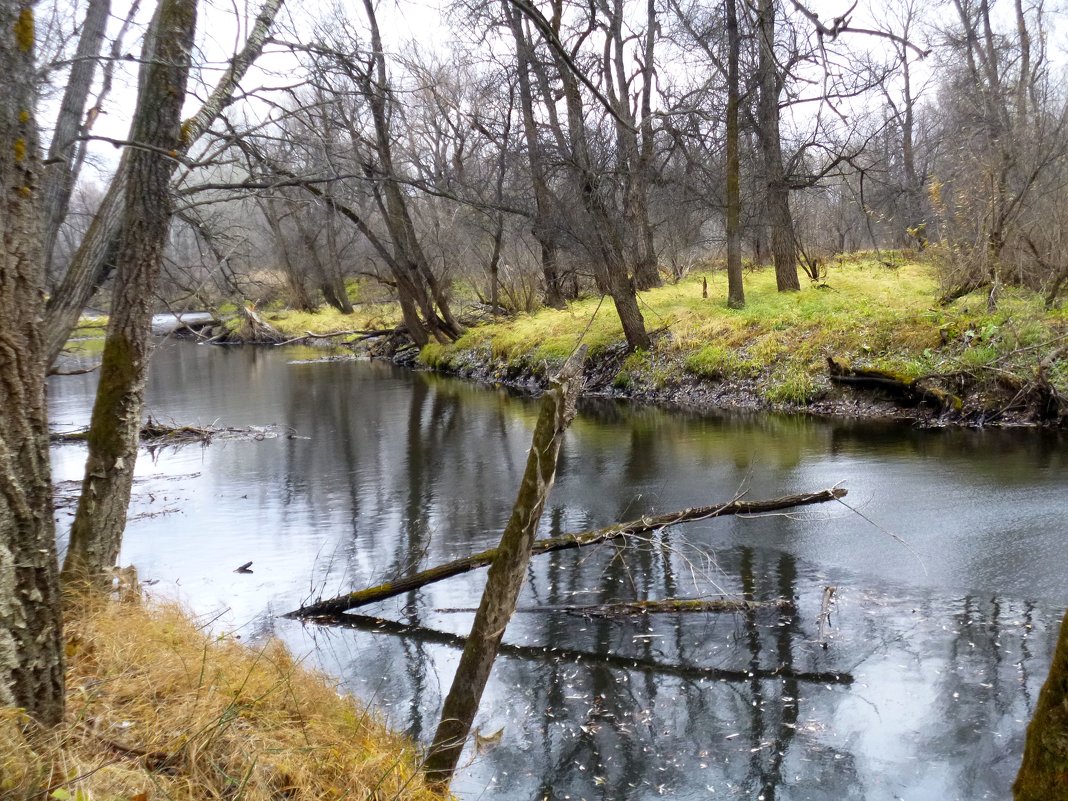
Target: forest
x=785 y=201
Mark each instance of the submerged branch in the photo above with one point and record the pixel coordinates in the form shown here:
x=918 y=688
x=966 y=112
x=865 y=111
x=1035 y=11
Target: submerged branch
x=654 y=607
x=155 y=434
x=352 y=600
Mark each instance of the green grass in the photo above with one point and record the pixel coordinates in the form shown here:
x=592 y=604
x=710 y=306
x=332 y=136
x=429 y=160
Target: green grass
x=328 y=320
x=865 y=312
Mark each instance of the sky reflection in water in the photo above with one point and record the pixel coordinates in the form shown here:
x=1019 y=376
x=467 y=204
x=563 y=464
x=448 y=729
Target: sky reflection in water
x=934 y=660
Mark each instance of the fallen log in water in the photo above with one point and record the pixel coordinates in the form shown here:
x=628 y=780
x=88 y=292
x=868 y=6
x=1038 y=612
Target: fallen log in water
x=352 y=600
x=655 y=607
x=545 y=653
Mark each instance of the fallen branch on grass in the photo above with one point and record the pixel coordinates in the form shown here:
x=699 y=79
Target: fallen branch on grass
x=352 y=600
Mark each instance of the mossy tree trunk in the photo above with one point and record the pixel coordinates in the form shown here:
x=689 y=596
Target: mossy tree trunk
x=31 y=643
x=116 y=420
x=506 y=574
x=1044 y=773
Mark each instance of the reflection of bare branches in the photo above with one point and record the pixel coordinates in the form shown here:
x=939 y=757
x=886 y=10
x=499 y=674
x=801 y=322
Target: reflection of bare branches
x=578 y=656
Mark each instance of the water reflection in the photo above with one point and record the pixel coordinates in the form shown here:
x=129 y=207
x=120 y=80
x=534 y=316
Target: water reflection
x=931 y=668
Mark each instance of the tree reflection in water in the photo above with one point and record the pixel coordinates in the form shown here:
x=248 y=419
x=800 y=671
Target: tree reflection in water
x=393 y=469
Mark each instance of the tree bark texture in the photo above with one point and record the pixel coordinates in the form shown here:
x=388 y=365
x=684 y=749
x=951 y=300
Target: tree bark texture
x=31 y=642
x=776 y=188
x=1044 y=772
x=116 y=420
x=506 y=574
x=93 y=260
x=645 y=525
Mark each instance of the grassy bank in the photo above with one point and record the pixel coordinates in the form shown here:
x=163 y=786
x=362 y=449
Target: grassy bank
x=774 y=351
x=157 y=709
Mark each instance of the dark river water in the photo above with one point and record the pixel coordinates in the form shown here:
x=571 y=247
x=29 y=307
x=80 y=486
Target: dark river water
x=949 y=564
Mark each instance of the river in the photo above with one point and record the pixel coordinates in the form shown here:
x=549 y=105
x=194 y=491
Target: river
x=948 y=563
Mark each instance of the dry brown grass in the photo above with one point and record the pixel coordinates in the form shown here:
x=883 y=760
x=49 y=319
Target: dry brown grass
x=158 y=709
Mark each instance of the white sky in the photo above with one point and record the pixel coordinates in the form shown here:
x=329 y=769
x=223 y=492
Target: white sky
x=222 y=25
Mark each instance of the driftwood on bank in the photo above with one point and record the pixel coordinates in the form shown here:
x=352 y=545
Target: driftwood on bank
x=912 y=392
x=645 y=525
x=654 y=607
x=546 y=653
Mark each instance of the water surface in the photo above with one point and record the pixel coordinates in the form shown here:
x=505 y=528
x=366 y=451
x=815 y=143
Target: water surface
x=948 y=563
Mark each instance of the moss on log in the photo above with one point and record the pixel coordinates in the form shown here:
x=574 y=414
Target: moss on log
x=1043 y=774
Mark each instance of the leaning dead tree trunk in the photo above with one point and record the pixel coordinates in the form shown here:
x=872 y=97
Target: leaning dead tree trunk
x=116 y=420
x=645 y=525
x=1044 y=772
x=505 y=577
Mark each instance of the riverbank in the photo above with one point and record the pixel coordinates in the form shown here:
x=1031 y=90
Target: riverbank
x=869 y=341
x=157 y=708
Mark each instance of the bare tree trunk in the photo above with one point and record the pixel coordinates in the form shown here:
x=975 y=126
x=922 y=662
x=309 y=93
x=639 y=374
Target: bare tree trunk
x=633 y=159
x=426 y=289
x=116 y=420
x=31 y=636
x=332 y=268
x=506 y=575
x=777 y=190
x=1044 y=772
x=93 y=259
x=612 y=273
x=298 y=293
x=544 y=202
x=735 y=287
x=60 y=175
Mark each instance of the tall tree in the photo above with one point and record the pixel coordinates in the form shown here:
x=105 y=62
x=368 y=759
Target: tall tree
x=610 y=254
x=114 y=429
x=776 y=187
x=545 y=231
x=735 y=288
x=31 y=644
